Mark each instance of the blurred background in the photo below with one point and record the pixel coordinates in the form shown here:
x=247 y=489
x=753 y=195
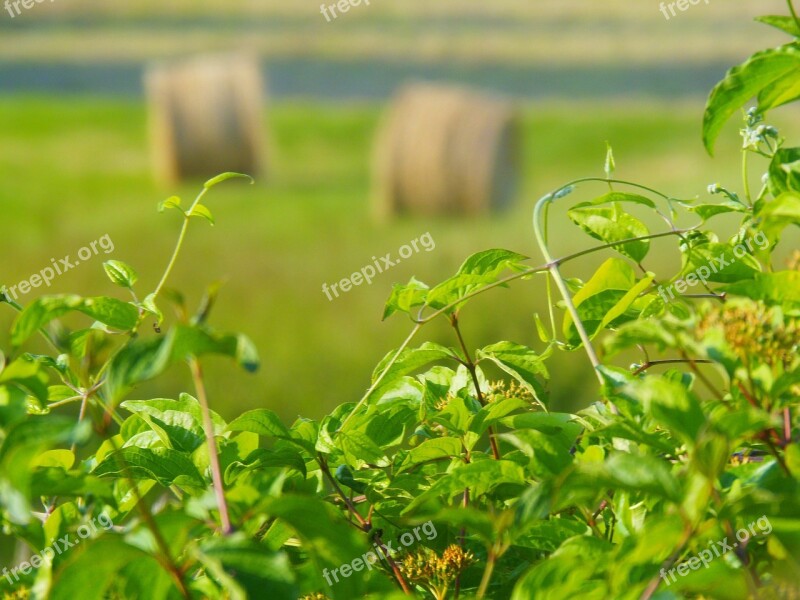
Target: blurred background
x=87 y=149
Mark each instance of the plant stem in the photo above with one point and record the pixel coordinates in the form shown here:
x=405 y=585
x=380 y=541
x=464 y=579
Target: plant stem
x=787 y=426
x=377 y=382
x=364 y=524
x=669 y=361
x=208 y=427
x=794 y=14
x=323 y=465
x=706 y=381
x=561 y=284
x=179 y=245
x=470 y=364
x=398 y=574
x=746 y=179
x=166 y=559
x=652 y=236
x=542 y=269
x=487 y=574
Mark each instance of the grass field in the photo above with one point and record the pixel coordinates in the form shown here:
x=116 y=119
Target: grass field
x=76 y=169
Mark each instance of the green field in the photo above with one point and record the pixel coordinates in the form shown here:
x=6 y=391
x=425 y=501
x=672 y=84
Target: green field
x=77 y=168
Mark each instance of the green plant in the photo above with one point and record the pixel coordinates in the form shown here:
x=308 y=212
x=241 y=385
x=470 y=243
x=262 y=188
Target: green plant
x=631 y=497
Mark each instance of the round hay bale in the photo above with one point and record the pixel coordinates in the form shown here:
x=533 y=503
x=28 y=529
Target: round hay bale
x=205 y=117
x=445 y=151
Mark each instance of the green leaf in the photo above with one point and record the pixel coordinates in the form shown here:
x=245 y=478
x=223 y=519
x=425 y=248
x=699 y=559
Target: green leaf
x=28 y=376
x=33 y=436
x=637 y=473
x=186 y=341
x=55 y=458
x=359 y=450
x=23 y=443
x=786 y=24
x=120 y=273
x=607 y=290
x=567 y=576
x=471 y=519
x=706 y=211
x=40 y=312
x=784 y=171
x=783 y=91
x=480 y=477
x=719 y=263
x=109 y=311
x=181 y=420
x=671 y=405
x=259 y=459
x=640 y=332
x=143 y=359
x=405 y=297
x=149 y=304
x=224 y=177
x=139 y=361
x=320 y=526
x=614 y=197
x=545 y=438
x=522 y=363
x=496 y=410
x=409 y=361
x=620 y=308
x=58 y=481
x=171 y=202
x=610 y=164
x=256 y=570
x=435 y=449
x=164 y=465
x=456 y=416
x=91 y=569
x=548 y=535
x=744 y=82
x=478 y=271
x=345 y=476
x=779 y=214
x=782 y=288
x=549 y=423
x=611 y=224
x=262 y=422
x=201 y=210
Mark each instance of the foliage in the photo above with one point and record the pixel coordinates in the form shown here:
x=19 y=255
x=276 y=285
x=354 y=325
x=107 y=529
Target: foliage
x=513 y=501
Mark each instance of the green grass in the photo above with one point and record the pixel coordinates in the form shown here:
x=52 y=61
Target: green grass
x=76 y=169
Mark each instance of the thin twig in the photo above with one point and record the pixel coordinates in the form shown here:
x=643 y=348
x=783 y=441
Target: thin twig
x=211 y=441
x=377 y=382
x=364 y=524
x=669 y=361
x=470 y=364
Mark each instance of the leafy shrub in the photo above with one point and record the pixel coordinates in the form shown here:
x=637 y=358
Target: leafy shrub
x=449 y=477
